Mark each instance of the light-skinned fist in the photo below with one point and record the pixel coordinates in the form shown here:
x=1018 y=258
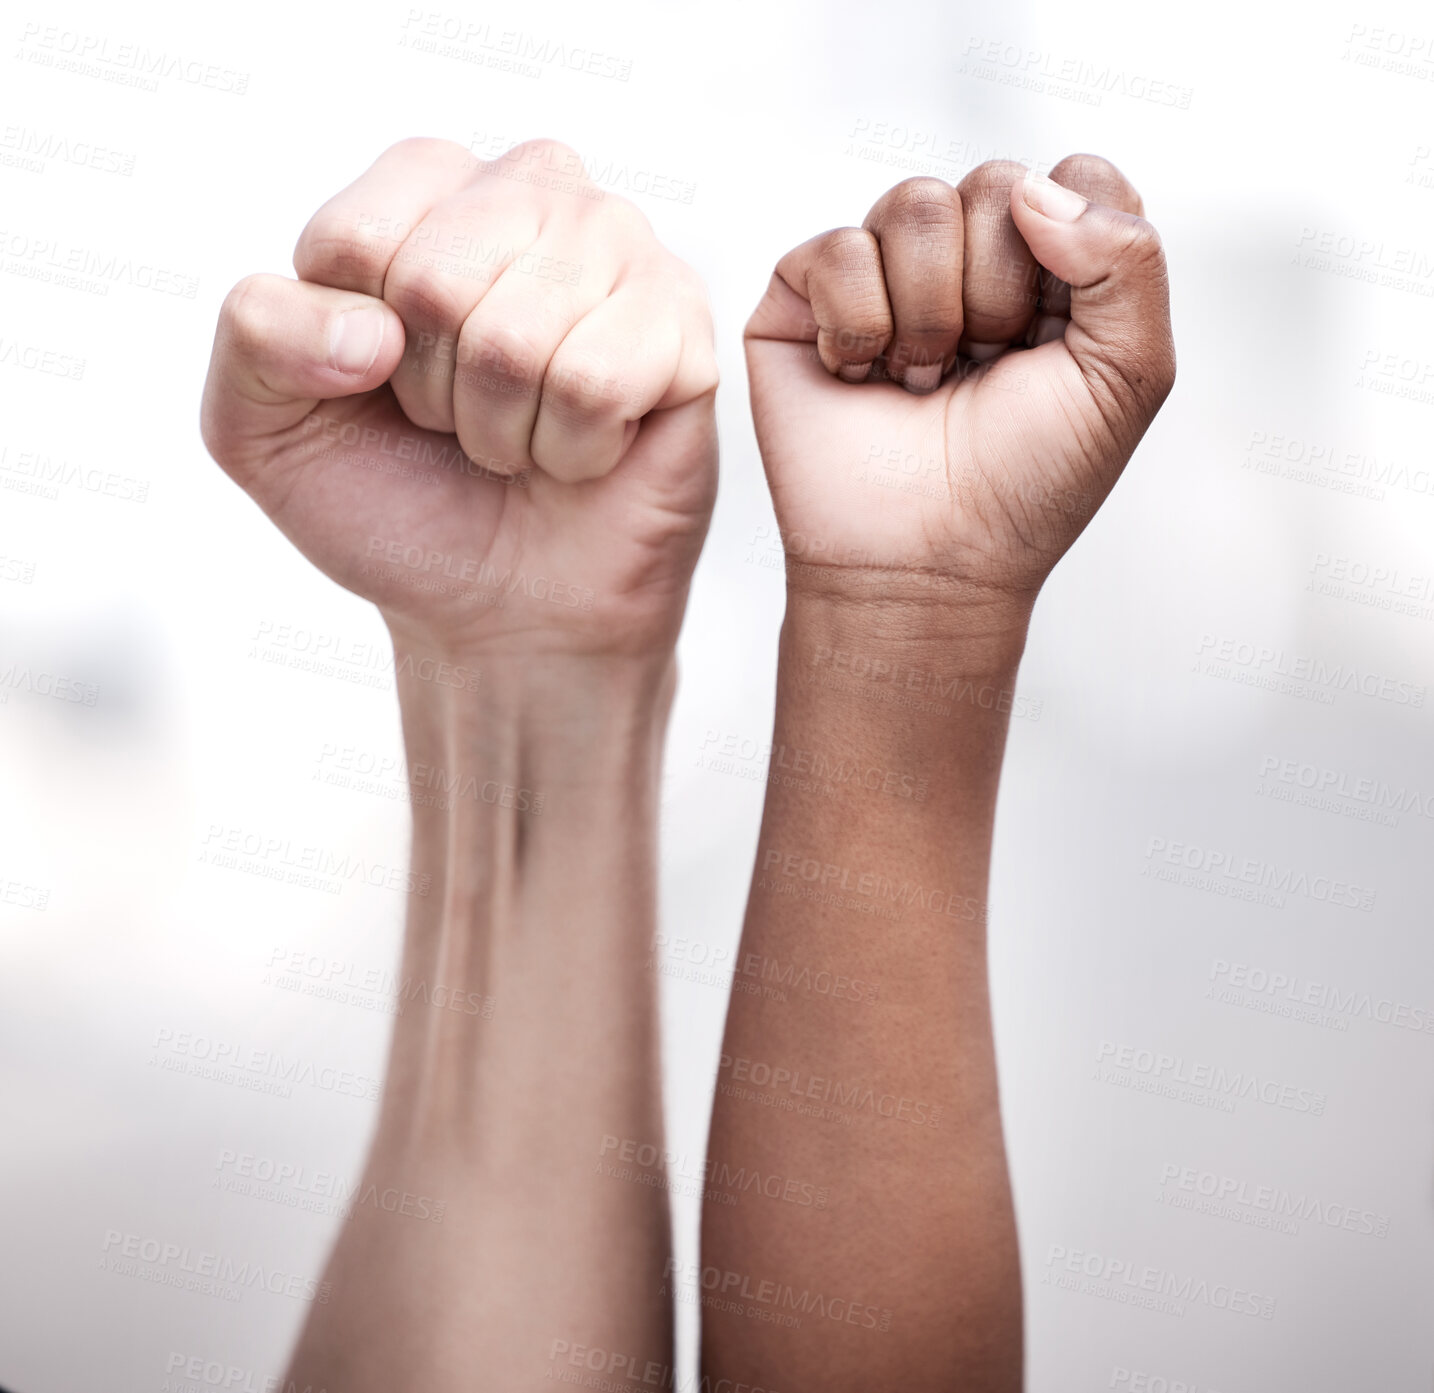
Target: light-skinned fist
x=486 y=404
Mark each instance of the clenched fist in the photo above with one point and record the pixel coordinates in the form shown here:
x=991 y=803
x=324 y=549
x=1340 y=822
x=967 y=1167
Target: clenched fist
x=486 y=404
x=945 y=395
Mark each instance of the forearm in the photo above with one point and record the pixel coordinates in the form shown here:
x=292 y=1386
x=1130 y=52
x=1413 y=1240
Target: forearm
x=872 y=1077
x=534 y=828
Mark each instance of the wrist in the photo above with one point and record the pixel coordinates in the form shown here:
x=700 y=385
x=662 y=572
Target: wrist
x=543 y=724
x=890 y=623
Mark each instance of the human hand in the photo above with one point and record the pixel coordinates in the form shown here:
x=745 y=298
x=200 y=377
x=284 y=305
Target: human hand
x=486 y=406
x=991 y=353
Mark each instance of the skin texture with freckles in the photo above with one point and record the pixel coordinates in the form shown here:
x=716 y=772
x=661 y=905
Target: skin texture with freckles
x=943 y=397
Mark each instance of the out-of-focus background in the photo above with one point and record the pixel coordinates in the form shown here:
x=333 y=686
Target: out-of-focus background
x=1213 y=852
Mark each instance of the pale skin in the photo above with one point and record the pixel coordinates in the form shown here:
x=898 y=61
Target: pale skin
x=991 y=354
x=508 y=445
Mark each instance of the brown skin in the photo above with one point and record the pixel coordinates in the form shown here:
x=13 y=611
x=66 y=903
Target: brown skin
x=1051 y=337
x=549 y=337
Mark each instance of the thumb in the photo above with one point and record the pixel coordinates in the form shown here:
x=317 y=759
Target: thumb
x=280 y=348
x=1119 y=333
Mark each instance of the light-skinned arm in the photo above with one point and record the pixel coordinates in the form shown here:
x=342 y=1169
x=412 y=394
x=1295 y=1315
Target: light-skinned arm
x=487 y=406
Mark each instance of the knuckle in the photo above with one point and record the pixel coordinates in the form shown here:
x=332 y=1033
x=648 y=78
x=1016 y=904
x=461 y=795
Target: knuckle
x=922 y=201
x=928 y=327
x=429 y=149
x=863 y=332
x=336 y=247
x=1141 y=243
x=848 y=250
x=991 y=178
x=498 y=357
x=848 y=293
x=585 y=383
x=1097 y=178
x=549 y=154
x=625 y=220
x=245 y=313
x=423 y=296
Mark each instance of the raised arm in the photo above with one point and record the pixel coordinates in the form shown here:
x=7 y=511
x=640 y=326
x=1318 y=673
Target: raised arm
x=943 y=397
x=486 y=406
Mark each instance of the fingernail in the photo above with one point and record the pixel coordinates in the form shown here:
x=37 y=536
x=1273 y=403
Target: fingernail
x=926 y=378
x=854 y=372
x=355 y=340
x=1052 y=200
x=984 y=352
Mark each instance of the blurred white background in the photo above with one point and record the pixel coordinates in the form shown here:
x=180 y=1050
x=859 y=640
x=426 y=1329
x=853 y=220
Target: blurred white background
x=1247 y=622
